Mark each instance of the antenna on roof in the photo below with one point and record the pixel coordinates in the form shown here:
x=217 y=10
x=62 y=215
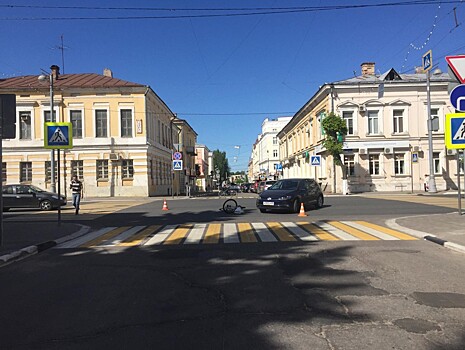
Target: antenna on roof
x=62 y=48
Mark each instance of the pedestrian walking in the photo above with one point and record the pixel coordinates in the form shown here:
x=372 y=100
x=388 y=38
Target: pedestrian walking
x=188 y=189
x=76 y=189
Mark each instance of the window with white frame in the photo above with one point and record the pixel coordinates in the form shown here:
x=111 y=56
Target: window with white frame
x=101 y=118
x=75 y=117
x=320 y=117
x=437 y=163
x=47 y=116
x=4 y=173
x=77 y=168
x=373 y=164
x=435 y=119
x=127 y=169
x=275 y=140
x=102 y=169
x=25 y=171
x=349 y=162
x=275 y=153
x=25 y=125
x=126 y=122
x=48 y=171
x=348 y=117
x=399 y=163
x=398 y=121
x=373 y=122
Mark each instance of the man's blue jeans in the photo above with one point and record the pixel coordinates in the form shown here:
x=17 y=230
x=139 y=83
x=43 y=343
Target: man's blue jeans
x=76 y=200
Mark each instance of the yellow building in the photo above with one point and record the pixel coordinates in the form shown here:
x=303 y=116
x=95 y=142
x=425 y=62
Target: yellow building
x=122 y=134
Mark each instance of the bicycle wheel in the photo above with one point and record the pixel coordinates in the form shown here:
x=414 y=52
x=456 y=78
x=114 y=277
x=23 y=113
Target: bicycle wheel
x=229 y=206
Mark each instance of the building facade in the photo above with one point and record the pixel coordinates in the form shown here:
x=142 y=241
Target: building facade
x=121 y=134
x=386 y=147
x=204 y=167
x=185 y=140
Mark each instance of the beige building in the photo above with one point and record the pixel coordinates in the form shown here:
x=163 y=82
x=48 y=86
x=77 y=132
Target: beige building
x=204 y=166
x=121 y=134
x=185 y=140
x=386 y=148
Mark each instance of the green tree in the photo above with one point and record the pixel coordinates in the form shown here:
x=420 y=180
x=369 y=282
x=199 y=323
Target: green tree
x=220 y=163
x=335 y=129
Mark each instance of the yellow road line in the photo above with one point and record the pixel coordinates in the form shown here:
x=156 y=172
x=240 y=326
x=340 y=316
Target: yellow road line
x=353 y=231
x=178 y=234
x=318 y=232
x=138 y=238
x=106 y=236
x=388 y=231
x=281 y=232
x=246 y=233
x=213 y=233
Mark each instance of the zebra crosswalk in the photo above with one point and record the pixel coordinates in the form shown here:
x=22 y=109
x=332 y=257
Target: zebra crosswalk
x=226 y=233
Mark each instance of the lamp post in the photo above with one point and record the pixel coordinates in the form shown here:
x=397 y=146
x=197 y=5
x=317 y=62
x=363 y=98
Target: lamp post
x=43 y=78
x=431 y=181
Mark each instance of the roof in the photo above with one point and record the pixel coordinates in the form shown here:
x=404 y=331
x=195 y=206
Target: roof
x=83 y=80
x=392 y=75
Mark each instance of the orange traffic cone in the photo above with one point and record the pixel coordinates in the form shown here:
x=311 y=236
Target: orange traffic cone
x=165 y=206
x=302 y=210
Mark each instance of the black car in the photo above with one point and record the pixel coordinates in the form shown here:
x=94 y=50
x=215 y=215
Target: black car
x=288 y=194
x=29 y=196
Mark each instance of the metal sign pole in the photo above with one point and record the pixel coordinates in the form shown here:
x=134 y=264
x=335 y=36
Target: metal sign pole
x=1 y=173
x=459 y=196
x=59 y=187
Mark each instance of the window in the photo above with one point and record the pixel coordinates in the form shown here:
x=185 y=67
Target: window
x=399 y=164
x=436 y=163
x=348 y=116
x=77 y=168
x=398 y=120
x=126 y=123
x=158 y=133
x=25 y=169
x=127 y=169
x=373 y=122
x=374 y=164
x=76 y=121
x=4 y=178
x=102 y=169
x=101 y=123
x=435 y=119
x=349 y=162
x=275 y=140
x=25 y=125
x=321 y=116
x=275 y=153
x=47 y=116
x=48 y=171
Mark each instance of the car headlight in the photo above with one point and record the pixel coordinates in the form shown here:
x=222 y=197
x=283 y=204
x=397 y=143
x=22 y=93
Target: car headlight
x=284 y=198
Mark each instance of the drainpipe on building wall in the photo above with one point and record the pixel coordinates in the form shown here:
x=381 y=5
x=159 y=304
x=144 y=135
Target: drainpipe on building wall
x=334 y=160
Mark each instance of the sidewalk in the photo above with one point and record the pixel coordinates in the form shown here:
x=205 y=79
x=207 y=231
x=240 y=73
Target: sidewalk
x=27 y=238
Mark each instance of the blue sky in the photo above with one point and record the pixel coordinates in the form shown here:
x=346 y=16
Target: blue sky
x=225 y=75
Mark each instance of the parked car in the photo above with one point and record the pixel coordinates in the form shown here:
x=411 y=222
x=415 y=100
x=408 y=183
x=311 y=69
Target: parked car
x=245 y=187
x=288 y=194
x=264 y=185
x=234 y=187
x=29 y=196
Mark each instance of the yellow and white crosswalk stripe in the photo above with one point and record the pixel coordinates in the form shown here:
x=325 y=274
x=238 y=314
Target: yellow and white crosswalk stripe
x=229 y=233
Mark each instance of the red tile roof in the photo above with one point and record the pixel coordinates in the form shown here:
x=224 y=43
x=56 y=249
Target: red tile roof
x=85 y=80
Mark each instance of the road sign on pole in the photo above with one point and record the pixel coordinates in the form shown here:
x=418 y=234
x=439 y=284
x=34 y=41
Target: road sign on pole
x=315 y=160
x=427 y=61
x=177 y=155
x=457 y=98
x=455 y=131
x=457 y=64
x=58 y=135
x=177 y=165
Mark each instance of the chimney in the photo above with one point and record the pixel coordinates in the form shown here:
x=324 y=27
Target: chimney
x=55 y=71
x=368 y=68
x=108 y=73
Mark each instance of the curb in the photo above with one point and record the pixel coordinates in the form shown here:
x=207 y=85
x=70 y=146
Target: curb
x=424 y=235
x=38 y=248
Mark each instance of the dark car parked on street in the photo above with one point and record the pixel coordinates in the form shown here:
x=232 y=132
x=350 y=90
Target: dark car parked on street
x=29 y=196
x=288 y=194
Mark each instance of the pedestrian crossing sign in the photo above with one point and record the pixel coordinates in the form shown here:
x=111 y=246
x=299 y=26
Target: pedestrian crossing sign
x=177 y=165
x=315 y=160
x=58 y=135
x=455 y=131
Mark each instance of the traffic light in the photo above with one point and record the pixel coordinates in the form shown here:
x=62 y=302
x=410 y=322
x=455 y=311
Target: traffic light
x=8 y=116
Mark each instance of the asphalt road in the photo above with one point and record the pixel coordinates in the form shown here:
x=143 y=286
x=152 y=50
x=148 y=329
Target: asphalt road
x=313 y=295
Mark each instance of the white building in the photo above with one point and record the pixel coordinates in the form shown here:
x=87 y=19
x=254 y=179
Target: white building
x=265 y=152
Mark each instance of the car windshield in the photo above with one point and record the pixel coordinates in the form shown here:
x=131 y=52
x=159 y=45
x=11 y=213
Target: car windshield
x=285 y=185
x=36 y=189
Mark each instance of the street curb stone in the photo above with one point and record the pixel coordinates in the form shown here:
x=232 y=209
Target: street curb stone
x=38 y=248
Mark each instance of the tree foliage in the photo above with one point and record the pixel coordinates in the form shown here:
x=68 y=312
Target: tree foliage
x=335 y=129
x=220 y=163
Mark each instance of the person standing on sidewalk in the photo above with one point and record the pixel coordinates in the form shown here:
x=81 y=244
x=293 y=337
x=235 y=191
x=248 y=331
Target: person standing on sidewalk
x=76 y=189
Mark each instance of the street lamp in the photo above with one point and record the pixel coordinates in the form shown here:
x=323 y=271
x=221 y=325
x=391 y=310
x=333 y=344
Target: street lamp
x=43 y=78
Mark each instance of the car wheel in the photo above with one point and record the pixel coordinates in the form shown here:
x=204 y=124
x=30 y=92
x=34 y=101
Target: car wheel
x=262 y=210
x=296 y=206
x=319 y=202
x=46 y=205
